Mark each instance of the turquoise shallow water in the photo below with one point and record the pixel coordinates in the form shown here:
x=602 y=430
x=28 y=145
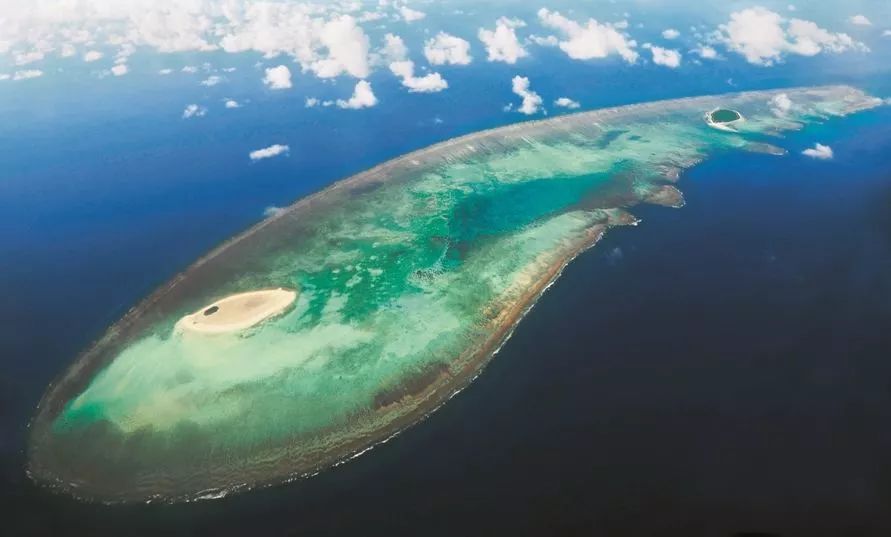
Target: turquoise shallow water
x=408 y=275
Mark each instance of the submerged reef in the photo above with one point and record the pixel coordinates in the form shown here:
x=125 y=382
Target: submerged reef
x=410 y=277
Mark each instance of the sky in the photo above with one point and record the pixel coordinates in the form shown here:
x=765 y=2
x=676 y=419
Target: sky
x=350 y=44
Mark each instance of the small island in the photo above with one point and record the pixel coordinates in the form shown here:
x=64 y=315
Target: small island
x=724 y=119
x=238 y=312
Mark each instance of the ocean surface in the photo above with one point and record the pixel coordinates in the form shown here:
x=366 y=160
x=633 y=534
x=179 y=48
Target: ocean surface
x=721 y=368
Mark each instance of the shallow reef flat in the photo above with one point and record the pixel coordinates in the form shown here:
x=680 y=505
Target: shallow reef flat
x=410 y=275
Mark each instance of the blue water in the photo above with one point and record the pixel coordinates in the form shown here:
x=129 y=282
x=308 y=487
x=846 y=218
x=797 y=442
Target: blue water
x=718 y=369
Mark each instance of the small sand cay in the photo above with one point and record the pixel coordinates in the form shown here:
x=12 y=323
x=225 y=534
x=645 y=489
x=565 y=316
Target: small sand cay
x=724 y=119
x=238 y=312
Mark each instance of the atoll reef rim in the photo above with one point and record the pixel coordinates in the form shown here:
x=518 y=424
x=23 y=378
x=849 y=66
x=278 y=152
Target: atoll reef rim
x=410 y=275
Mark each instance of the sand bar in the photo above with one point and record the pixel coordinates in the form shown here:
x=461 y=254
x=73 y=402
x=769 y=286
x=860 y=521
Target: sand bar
x=238 y=312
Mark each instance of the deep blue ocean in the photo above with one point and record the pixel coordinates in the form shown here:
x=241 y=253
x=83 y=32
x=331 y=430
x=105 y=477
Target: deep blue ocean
x=719 y=369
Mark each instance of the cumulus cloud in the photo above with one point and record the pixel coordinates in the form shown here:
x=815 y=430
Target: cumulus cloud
x=311 y=102
x=394 y=49
x=860 y=20
x=706 y=52
x=671 y=33
x=447 y=49
x=322 y=37
x=544 y=41
x=347 y=47
x=531 y=100
x=429 y=83
x=92 y=56
x=501 y=43
x=819 y=151
x=269 y=152
x=232 y=103
x=278 y=78
x=370 y=16
x=211 y=81
x=591 y=40
x=566 y=102
x=190 y=69
x=120 y=69
x=363 y=97
x=667 y=57
x=24 y=58
x=272 y=210
x=165 y=71
x=194 y=110
x=763 y=37
x=410 y=15
x=781 y=104
x=27 y=74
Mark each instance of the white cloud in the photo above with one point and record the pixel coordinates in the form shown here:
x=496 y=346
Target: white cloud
x=321 y=37
x=190 y=69
x=327 y=47
x=362 y=97
x=566 y=102
x=667 y=57
x=232 y=103
x=120 y=69
x=781 y=104
x=886 y=33
x=410 y=15
x=269 y=152
x=27 y=74
x=447 y=49
x=311 y=102
x=593 y=40
x=370 y=16
x=819 y=151
x=671 y=33
x=502 y=44
x=860 y=20
x=124 y=53
x=347 y=47
x=193 y=110
x=211 y=81
x=24 y=58
x=92 y=56
x=165 y=71
x=68 y=50
x=4 y=76
x=706 y=52
x=394 y=49
x=763 y=36
x=429 y=83
x=278 y=78
x=531 y=100
x=545 y=41
x=272 y=210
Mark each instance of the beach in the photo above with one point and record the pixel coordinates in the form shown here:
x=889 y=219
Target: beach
x=238 y=312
